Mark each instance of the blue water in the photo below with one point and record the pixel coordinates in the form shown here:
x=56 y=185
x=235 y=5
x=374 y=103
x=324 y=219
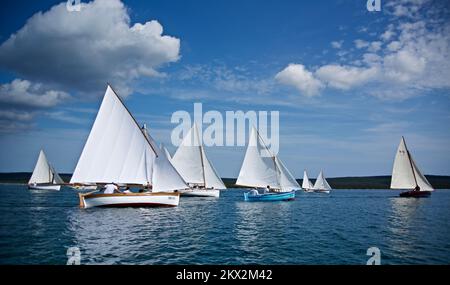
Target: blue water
x=38 y=228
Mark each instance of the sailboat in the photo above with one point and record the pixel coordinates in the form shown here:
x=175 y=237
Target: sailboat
x=191 y=162
x=407 y=176
x=306 y=184
x=119 y=151
x=261 y=169
x=44 y=176
x=321 y=185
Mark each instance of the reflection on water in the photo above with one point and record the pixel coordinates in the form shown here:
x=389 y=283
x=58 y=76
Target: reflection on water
x=38 y=227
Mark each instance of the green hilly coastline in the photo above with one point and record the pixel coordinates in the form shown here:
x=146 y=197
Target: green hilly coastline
x=366 y=182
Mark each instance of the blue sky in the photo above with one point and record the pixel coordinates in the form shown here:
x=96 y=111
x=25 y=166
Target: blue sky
x=348 y=83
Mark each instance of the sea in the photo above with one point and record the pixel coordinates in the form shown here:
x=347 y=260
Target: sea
x=344 y=227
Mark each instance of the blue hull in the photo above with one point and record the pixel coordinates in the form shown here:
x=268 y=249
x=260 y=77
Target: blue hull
x=269 y=197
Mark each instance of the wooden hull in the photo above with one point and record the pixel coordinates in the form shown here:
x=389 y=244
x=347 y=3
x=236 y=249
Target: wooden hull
x=269 y=197
x=200 y=193
x=45 y=187
x=159 y=199
x=84 y=187
x=415 y=194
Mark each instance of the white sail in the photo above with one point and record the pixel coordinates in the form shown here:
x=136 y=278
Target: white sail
x=405 y=173
x=259 y=167
x=287 y=181
x=44 y=173
x=166 y=152
x=191 y=162
x=212 y=179
x=116 y=149
x=321 y=183
x=165 y=177
x=306 y=184
x=188 y=158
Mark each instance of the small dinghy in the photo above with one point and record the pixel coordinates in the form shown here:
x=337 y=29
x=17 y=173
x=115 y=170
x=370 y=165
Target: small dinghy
x=255 y=196
x=407 y=176
x=44 y=176
x=307 y=185
x=321 y=185
x=191 y=162
x=119 y=151
x=261 y=169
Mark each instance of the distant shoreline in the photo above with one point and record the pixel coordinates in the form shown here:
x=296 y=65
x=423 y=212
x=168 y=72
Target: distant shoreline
x=351 y=182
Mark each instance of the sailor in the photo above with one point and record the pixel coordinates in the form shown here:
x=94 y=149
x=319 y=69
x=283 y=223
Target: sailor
x=267 y=189
x=111 y=188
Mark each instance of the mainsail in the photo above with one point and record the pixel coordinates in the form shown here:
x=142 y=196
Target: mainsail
x=191 y=162
x=44 y=173
x=405 y=173
x=321 y=183
x=306 y=184
x=118 y=151
x=261 y=169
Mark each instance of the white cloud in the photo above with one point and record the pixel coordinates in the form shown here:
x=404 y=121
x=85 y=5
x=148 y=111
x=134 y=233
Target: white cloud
x=412 y=57
x=337 y=44
x=297 y=76
x=345 y=77
x=84 y=50
x=24 y=93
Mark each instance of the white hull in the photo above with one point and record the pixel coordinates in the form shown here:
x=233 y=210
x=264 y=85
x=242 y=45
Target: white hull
x=308 y=190
x=159 y=199
x=44 y=187
x=200 y=193
x=322 y=191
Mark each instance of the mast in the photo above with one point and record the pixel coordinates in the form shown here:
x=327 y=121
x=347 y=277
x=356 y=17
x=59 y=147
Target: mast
x=273 y=159
x=410 y=163
x=200 y=146
x=126 y=108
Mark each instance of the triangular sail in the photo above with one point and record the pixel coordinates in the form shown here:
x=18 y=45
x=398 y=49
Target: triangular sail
x=116 y=149
x=405 y=173
x=212 y=179
x=165 y=176
x=287 y=180
x=259 y=167
x=321 y=183
x=306 y=184
x=191 y=162
x=166 y=152
x=44 y=173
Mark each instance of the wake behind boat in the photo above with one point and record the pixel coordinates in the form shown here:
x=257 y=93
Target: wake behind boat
x=191 y=162
x=117 y=150
x=44 y=176
x=407 y=176
x=261 y=169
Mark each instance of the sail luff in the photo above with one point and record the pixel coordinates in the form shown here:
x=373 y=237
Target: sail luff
x=257 y=170
x=116 y=147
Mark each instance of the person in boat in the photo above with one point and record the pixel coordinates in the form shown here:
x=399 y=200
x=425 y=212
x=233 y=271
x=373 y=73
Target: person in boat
x=111 y=189
x=417 y=188
x=267 y=189
x=254 y=192
x=126 y=190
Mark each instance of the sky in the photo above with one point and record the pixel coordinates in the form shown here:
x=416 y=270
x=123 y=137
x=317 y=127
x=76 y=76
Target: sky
x=347 y=82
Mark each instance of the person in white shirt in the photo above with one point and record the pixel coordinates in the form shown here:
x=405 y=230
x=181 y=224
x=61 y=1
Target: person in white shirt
x=111 y=188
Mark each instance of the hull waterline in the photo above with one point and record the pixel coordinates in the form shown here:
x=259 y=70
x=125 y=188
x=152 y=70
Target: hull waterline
x=269 y=197
x=45 y=187
x=322 y=191
x=159 y=199
x=415 y=194
x=200 y=193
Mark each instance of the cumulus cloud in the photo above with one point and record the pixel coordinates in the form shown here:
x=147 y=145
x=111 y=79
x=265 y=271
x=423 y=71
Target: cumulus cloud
x=345 y=77
x=297 y=76
x=82 y=51
x=412 y=58
x=27 y=94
